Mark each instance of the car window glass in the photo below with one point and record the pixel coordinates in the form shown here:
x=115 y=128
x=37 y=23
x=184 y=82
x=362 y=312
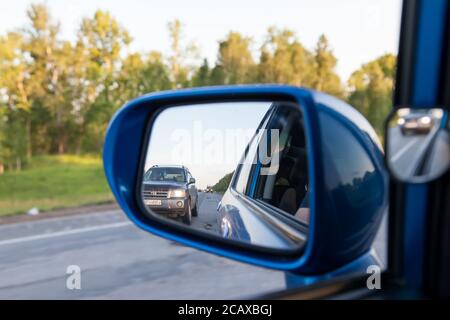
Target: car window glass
x=244 y=168
x=248 y=159
x=165 y=174
x=287 y=189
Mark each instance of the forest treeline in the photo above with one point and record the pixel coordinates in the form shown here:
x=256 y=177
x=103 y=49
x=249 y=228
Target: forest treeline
x=57 y=96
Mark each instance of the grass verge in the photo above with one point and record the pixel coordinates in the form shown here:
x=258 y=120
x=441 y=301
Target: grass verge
x=51 y=182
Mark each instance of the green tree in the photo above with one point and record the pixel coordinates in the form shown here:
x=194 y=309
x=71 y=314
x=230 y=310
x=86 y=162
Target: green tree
x=57 y=96
x=217 y=76
x=202 y=77
x=234 y=61
x=52 y=62
x=103 y=40
x=182 y=56
x=14 y=102
x=16 y=88
x=283 y=59
x=325 y=78
x=13 y=141
x=139 y=75
x=371 y=89
x=222 y=185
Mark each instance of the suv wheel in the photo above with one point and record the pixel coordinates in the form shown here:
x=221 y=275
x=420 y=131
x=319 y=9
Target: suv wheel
x=187 y=218
x=195 y=209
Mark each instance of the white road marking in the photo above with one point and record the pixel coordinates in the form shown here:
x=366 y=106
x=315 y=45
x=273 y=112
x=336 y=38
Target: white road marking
x=65 y=233
x=403 y=150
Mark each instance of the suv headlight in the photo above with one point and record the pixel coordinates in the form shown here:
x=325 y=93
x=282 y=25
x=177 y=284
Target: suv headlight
x=177 y=193
x=425 y=120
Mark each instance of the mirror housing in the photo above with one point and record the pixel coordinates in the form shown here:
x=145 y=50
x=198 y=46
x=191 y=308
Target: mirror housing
x=346 y=209
x=191 y=180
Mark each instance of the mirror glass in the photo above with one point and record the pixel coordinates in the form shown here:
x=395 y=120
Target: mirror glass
x=233 y=170
x=418 y=144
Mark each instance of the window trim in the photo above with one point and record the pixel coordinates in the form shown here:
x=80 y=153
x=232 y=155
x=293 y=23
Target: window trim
x=238 y=170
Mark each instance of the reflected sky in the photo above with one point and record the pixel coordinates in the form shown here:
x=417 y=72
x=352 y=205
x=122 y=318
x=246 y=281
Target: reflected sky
x=209 y=139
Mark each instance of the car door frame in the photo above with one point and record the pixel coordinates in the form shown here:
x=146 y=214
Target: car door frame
x=419 y=214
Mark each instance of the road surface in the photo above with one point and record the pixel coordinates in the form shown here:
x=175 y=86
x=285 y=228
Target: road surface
x=119 y=261
x=406 y=151
x=207 y=212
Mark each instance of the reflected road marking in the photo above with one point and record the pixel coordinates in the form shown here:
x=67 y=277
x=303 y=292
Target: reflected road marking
x=403 y=150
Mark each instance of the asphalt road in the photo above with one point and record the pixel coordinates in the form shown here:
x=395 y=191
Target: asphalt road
x=207 y=208
x=120 y=261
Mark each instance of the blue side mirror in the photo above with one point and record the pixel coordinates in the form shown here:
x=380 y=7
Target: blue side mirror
x=299 y=175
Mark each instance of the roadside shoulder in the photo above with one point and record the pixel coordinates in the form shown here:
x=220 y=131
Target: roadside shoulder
x=57 y=213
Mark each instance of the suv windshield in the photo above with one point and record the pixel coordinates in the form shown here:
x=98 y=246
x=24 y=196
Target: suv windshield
x=165 y=174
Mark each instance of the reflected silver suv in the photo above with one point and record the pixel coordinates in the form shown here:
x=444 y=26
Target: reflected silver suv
x=171 y=191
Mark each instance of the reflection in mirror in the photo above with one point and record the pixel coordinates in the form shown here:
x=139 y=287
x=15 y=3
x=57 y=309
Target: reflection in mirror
x=418 y=144
x=234 y=170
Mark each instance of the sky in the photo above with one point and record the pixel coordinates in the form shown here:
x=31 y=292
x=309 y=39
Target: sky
x=358 y=30
x=208 y=139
